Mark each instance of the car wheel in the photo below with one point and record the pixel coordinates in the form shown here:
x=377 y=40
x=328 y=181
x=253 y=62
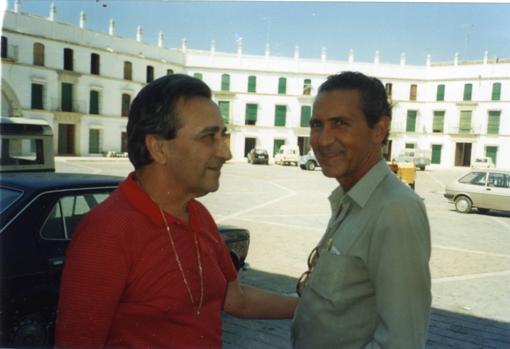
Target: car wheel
x=412 y=185
x=463 y=204
x=310 y=165
x=483 y=210
x=31 y=331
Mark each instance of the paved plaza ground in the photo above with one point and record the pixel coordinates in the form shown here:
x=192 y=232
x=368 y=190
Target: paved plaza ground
x=286 y=211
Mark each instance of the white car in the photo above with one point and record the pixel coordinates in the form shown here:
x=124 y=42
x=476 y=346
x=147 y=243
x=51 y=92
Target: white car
x=309 y=161
x=484 y=162
x=287 y=155
x=485 y=189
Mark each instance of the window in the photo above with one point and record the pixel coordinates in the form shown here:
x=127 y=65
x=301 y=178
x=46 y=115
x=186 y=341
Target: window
x=389 y=89
x=280 y=115
x=468 y=90
x=252 y=83
x=499 y=180
x=282 y=86
x=123 y=142
x=126 y=103
x=436 y=153
x=250 y=117
x=94 y=138
x=169 y=71
x=224 y=110
x=411 y=121
x=306 y=112
x=150 y=73
x=67 y=213
x=491 y=152
x=66 y=103
x=413 y=92
x=476 y=178
x=496 y=91
x=225 y=82
x=410 y=145
x=38 y=54
x=493 y=122
x=438 y=122
x=440 y=93
x=198 y=76
x=277 y=145
x=465 y=121
x=307 y=87
x=4 y=47
x=37 y=96
x=94 y=64
x=94 y=102
x=128 y=70
x=68 y=59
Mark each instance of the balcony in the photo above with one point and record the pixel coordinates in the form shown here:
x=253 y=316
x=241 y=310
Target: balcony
x=74 y=106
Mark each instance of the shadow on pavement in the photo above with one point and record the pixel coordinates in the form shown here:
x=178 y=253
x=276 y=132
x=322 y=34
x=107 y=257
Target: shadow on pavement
x=447 y=329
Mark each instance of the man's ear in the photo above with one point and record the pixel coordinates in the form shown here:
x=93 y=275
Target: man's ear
x=155 y=147
x=381 y=128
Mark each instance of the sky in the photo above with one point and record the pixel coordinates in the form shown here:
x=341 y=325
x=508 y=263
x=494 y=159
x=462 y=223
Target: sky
x=418 y=29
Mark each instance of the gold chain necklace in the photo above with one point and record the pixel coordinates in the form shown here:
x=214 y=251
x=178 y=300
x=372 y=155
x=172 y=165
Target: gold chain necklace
x=197 y=307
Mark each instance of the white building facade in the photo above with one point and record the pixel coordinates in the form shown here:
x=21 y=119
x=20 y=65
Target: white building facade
x=82 y=83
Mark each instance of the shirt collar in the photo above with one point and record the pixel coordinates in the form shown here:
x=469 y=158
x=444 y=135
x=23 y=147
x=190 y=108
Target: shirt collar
x=142 y=202
x=363 y=189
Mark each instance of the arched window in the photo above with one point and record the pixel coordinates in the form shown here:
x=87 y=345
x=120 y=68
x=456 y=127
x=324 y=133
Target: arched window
x=126 y=103
x=128 y=70
x=94 y=64
x=68 y=59
x=225 y=82
x=150 y=73
x=252 y=83
x=307 y=87
x=38 y=54
x=282 y=86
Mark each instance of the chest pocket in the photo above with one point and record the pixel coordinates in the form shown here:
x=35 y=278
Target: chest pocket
x=340 y=278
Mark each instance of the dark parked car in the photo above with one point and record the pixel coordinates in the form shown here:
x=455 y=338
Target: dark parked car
x=258 y=156
x=39 y=213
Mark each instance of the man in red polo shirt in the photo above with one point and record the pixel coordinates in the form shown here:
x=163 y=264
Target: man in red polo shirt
x=147 y=267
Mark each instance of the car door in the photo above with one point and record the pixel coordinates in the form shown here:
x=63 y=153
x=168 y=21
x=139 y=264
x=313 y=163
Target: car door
x=475 y=185
x=498 y=191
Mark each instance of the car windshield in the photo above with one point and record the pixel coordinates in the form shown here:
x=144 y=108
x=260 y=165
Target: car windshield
x=476 y=178
x=7 y=197
x=260 y=151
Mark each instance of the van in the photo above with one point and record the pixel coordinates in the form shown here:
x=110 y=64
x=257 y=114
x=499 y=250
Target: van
x=26 y=145
x=287 y=155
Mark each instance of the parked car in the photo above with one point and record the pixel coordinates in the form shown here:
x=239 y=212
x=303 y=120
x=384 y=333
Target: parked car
x=258 y=156
x=421 y=158
x=287 y=155
x=39 y=213
x=309 y=161
x=484 y=162
x=484 y=189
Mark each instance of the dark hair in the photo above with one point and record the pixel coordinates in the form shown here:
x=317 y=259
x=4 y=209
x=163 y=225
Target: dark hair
x=373 y=97
x=154 y=111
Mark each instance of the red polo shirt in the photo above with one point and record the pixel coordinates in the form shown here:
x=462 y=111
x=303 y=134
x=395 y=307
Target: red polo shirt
x=121 y=285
